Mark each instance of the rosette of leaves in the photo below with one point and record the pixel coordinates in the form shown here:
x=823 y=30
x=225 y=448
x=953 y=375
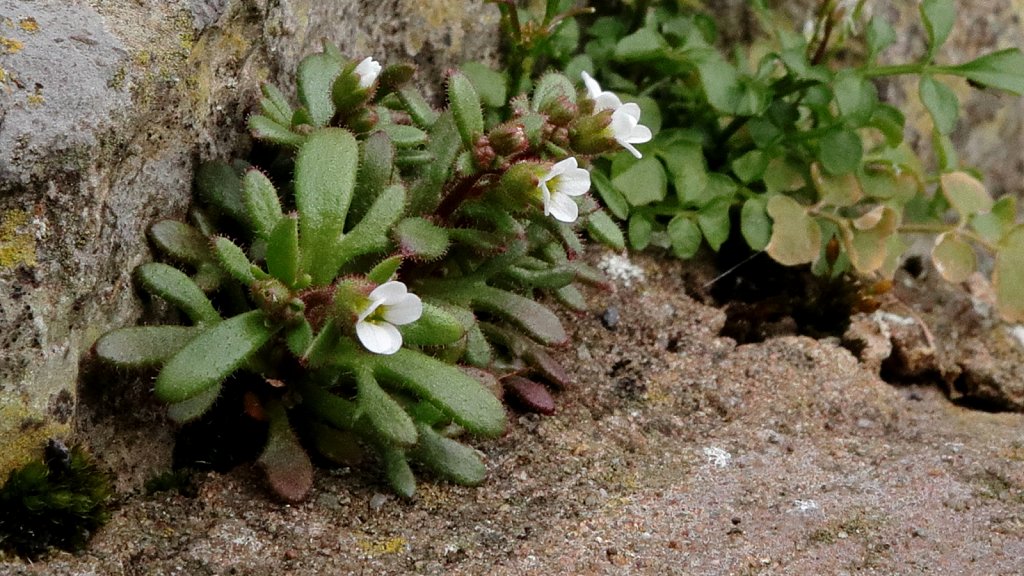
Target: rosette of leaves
x=791 y=147
x=367 y=184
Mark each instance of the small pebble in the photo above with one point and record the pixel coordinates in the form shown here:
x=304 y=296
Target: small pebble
x=377 y=501
x=610 y=317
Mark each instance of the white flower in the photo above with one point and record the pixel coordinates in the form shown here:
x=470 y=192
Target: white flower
x=625 y=125
x=627 y=129
x=367 y=70
x=390 y=305
x=565 y=180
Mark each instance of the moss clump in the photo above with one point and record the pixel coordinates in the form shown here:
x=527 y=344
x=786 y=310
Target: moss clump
x=55 y=502
x=17 y=246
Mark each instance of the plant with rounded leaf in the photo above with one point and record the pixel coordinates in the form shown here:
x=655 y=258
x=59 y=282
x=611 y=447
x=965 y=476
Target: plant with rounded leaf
x=788 y=144
x=375 y=287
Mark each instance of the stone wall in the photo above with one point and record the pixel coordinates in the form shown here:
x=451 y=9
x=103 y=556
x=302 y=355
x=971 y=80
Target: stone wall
x=105 y=107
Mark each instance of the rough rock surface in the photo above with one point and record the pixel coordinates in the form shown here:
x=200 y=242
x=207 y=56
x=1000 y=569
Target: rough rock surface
x=105 y=106
x=676 y=452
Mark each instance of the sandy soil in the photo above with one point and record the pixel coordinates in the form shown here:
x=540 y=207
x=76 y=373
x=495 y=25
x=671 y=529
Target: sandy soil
x=677 y=452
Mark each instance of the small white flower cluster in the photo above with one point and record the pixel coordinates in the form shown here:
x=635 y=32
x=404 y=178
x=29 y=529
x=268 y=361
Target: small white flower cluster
x=625 y=126
x=368 y=70
x=390 y=305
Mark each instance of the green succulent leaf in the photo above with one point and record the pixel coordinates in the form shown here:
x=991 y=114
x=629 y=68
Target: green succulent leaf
x=1008 y=276
x=422 y=114
x=1003 y=70
x=376 y=166
x=490 y=85
x=372 y=233
x=965 y=193
x=460 y=397
x=685 y=236
x=178 y=289
x=603 y=229
x=405 y=136
x=286 y=464
x=466 y=108
x=941 y=103
x=263 y=128
x=796 y=237
x=233 y=259
x=142 y=346
x=421 y=239
x=212 y=355
x=299 y=337
x=425 y=194
x=384 y=270
x=534 y=318
x=387 y=417
x=218 y=184
x=261 y=202
x=613 y=199
x=639 y=230
x=954 y=258
x=275 y=105
x=436 y=327
x=325 y=170
x=448 y=458
x=397 y=471
x=315 y=81
x=478 y=350
x=180 y=241
x=551 y=88
x=193 y=408
x=283 y=250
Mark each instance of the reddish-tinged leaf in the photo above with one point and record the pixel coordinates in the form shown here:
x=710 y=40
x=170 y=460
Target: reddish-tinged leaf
x=531 y=395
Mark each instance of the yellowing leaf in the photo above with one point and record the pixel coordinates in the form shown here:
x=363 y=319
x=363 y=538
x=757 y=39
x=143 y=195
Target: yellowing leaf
x=1008 y=276
x=839 y=191
x=796 y=237
x=965 y=193
x=953 y=258
x=867 y=243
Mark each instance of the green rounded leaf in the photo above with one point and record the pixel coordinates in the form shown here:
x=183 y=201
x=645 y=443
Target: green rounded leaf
x=421 y=239
x=233 y=259
x=283 y=250
x=755 y=225
x=261 y=202
x=315 y=81
x=644 y=44
x=941 y=103
x=640 y=229
x=685 y=236
x=603 y=229
x=840 y=151
x=490 y=85
x=211 y=356
x=387 y=417
x=405 y=136
x=643 y=182
x=435 y=327
x=263 y=128
x=193 y=408
x=532 y=317
x=714 y=222
x=180 y=241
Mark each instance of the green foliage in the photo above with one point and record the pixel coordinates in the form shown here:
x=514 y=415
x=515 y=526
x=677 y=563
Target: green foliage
x=349 y=285
x=786 y=142
x=55 y=502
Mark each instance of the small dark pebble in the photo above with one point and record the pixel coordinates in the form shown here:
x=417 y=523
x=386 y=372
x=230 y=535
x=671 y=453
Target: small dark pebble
x=735 y=520
x=610 y=317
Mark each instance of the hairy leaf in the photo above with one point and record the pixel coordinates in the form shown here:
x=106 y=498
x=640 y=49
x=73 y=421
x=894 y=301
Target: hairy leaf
x=140 y=346
x=178 y=289
x=261 y=202
x=386 y=416
x=315 y=80
x=449 y=458
x=180 y=241
x=286 y=464
x=283 y=250
x=534 y=318
x=465 y=106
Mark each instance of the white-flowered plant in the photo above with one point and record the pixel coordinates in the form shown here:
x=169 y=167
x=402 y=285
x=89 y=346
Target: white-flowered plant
x=603 y=99
x=388 y=305
x=564 y=181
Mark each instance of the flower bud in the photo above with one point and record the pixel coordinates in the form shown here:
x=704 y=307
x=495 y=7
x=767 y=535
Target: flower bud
x=276 y=301
x=355 y=86
x=483 y=153
x=363 y=120
x=508 y=138
x=591 y=134
x=559 y=110
x=518 y=187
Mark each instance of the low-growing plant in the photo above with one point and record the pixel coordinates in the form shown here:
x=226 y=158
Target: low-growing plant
x=55 y=502
x=786 y=141
x=374 y=285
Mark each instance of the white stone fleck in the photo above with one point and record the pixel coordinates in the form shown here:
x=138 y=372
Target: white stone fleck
x=717 y=456
x=619 y=267
x=1018 y=333
x=804 y=506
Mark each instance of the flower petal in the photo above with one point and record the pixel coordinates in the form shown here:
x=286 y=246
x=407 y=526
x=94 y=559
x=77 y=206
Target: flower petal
x=379 y=337
x=593 y=88
x=563 y=208
x=632 y=149
x=367 y=70
x=575 y=182
x=389 y=292
x=640 y=134
x=371 y=307
x=407 y=309
x=545 y=197
x=606 y=101
x=631 y=109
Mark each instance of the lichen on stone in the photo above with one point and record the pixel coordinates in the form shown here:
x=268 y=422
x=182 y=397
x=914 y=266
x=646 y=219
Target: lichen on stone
x=17 y=242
